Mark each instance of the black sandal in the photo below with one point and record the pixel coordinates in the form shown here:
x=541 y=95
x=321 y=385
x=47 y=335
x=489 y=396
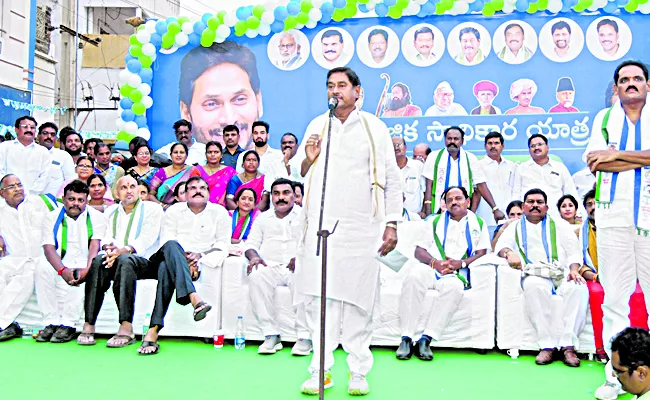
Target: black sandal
x=200 y=314
x=145 y=343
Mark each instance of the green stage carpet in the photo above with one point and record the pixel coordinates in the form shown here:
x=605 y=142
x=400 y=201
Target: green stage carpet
x=190 y=369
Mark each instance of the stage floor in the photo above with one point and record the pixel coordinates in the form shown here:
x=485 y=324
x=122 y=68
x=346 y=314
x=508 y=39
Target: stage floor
x=191 y=369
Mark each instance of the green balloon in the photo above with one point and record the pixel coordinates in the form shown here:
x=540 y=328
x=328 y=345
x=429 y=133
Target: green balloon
x=125 y=90
x=642 y=1
x=168 y=40
x=305 y=6
x=302 y=18
x=213 y=23
x=135 y=96
x=338 y=15
x=138 y=108
x=631 y=6
x=363 y=1
x=146 y=61
x=124 y=135
x=542 y=5
x=252 y=23
x=488 y=11
x=174 y=28
x=207 y=37
x=240 y=28
x=135 y=50
x=498 y=4
x=402 y=3
x=395 y=12
x=532 y=8
x=141 y=27
x=134 y=40
x=258 y=10
x=182 y=20
x=290 y=22
x=221 y=15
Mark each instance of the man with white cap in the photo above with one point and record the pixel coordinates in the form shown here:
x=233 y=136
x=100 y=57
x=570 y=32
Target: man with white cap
x=443 y=99
x=485 y=92
x=565 y=94
x=522 y=91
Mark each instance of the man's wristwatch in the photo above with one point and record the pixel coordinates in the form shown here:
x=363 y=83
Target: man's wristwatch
x=463 y=264
x=391 y=225
x=495 y=208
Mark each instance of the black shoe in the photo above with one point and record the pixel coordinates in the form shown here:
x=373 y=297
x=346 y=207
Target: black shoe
x=405 y=350
x=13 y=331
x=423 y=349
x=63 y=334
x=46 y=334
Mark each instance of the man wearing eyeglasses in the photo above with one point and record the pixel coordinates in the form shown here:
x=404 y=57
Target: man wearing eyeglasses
x=195 y=150
x=631 y=361
x=289 y=50
x=24 y=158
x=61 y=165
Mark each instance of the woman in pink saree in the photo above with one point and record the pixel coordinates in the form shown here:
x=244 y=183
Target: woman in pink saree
x=216 y=175
x=249 y=179
x=166 y=179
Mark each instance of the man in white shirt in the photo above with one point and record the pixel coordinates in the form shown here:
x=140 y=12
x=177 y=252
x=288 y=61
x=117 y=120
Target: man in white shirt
x=454 y=166
x=269 y=157
x=412 y=180
x=195 y=150
x=20 y=250
x=540 y=172
x=500 y=178
x=618 y=150
x=26 y=159
x=289 y=166
x=444 y=255
x=631 y=361
x=271 y=251
x=584 y=181
x=71 y=237
x=537 y=239
x=61 y=167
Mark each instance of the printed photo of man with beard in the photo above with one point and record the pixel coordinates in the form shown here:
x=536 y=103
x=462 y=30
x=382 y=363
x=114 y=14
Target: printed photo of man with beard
x=398 y=103
x=565 y=94
x=287 y=53
x=220 y=86
x=561 y=40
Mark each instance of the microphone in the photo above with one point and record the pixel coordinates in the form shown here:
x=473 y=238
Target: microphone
x=332 y=103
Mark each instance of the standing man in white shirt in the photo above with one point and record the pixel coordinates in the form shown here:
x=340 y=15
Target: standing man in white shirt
x=20 y=250
x=195 y=150
x=62 y=166
x=500 y=178
x=271 y=251
x=269 y=156
x=71 y=237
x=412 y=180
x=26 y=159
x=443 y=257
x=540 y=172
x=538 y=239
x=618 y=150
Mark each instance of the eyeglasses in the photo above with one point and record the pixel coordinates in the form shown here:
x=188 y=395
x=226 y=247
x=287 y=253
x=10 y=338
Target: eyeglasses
x=46 y=133
x=286 y=46
x=143 y=154
x=84 y=166
x=536 y=145
x=179 y=132
x=25 y=126
x=398 y=145
x=13 y=187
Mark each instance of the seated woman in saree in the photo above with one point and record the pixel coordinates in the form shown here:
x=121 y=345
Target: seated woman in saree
x=143 y=171
x=249 y=179
x=98 y=188
x=215 y=174
x=85 y=169
x=244 y=215
x=166 y=179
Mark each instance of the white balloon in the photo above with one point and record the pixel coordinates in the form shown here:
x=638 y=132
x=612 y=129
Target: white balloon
x=230 y=19
x=182 y=39
x=370 y=6
x=264 y=30
x=268 y=18
x=147 y=101
x=554 y=6
x=644 y=8
x=315 y=14
x=143 y=133
x=413 y=8
x=219 y=39
x=150 y=26
x=148 y=49
x=153 y=56
x=508 y=8
x=131 y=127
x=311 y=24
x=187 y=27
x=251 y=33
x=135 y=80
x=460 y=7
x=145 y=89
x=223 y=31
x=318 y=3
x=299 y=26
x=124 y=75
x=119 y=124
x=143 y=36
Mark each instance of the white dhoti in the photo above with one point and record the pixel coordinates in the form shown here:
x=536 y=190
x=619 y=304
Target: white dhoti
x=60 y=303
x=262 y=284
x=16 y=287
x=555 y=331
x=419 y=279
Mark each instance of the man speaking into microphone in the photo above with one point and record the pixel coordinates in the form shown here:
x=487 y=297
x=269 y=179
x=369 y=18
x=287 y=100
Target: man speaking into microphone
x=364 y=195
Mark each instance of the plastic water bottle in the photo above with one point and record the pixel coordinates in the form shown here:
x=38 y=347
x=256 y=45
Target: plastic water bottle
x=145 y=325
x=240 y=339
x=28 y=332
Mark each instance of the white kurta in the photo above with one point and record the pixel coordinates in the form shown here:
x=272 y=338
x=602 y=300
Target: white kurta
x=61 y=170
x=353 y=270
x=413 y=185
x=29 y=163
x=500 y=179
x=142 y=237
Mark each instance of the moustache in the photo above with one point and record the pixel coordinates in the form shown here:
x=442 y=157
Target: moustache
x=631 y=88
x=281 y=202
x=198 y=195
x=287 y=148
x=535 y=209
x=452 y=145
x=330 y=52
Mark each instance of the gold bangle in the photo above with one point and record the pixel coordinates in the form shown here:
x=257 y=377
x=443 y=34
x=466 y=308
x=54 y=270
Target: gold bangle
x=427 y=202
x=433 y=260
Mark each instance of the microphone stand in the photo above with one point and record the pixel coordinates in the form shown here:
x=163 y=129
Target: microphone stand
x=324 y=234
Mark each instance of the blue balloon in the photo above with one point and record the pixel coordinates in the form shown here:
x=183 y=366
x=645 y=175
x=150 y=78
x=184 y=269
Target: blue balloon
x=566 y=8
x=327 y=8
x=141 y=120
x=477 y=5
x=134 y=66
x=381 y=9
x=156 y=40
x=522 y=5
x=206 y=17
x=280 y=13
x=293 y=8
x=390 y=3
x=146 y=74
x=128 y=58
x=171 y=19
x=610 y=8
x=622 y=3
x=128 y=116
x=363 y=8
x=422 y=13
x=161 y=27
x=326 y=19
x=199 y=27
x=340 y=3
x=126 y=103
x=277 y=27
x=243 y=13
x=429 y=8
x=195 y=39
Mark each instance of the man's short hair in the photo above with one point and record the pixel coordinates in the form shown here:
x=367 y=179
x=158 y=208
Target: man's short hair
x=560 y=25
x=591 y=194
x=633 y=348
x=300 y=185
x=493 y=135
x=289 y=33
x=424 y=29
x=282 y=181
x=4 y=178
x=197 y=179
x=458 y=128
x=469 y=29
x=536 y=191
x=23 y=118
x=289 y=134
x=352 y=76
x=514 y=25
x=69 y=133
x=607 y=21
x=231 y=128
x=462 y=189
x=628 y=63
x=537 y=135
x=332 y=32
x=260 y=123
x=50 y=125
x=182 y=122
x=76 y=186
x=200 y=59
x=378 y=32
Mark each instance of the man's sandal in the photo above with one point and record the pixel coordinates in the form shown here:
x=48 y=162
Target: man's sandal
x=86 y=339
x=147 y=343
x=200 y=314
x=131 y=340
